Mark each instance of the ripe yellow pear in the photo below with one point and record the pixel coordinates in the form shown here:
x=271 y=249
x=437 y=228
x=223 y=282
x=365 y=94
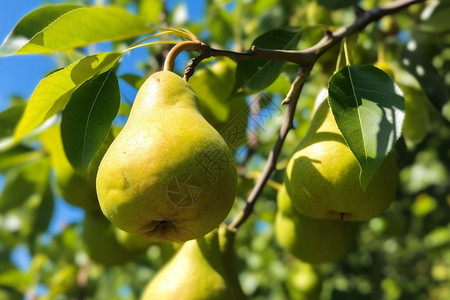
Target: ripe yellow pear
x=322 y=177
x=74 y=186
x=168 y=175
x=311 y=240
x=196 y=272
x=101 y=243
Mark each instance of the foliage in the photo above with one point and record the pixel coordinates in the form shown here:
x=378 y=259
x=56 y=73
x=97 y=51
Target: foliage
x=402 y=254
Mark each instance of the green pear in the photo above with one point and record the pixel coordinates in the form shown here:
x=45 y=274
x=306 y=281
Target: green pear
x=73 y=186
x=303 y=282
x=322 y=177
x=101 y=243
x=196 y=272
x=417 y=121
x=311 y=240
x=226 y=112
x=168 y=175
x=213 y=85
x=131 y=241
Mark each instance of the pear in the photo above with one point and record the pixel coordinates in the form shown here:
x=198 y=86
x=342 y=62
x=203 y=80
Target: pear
x=101 y=243
x=74 y=186
x=314 y=241
x=417 y=121
x=131 y=241
x=226 y=112
x=322 y=177
x=168 y=175
x=303 y=282
x=196 y=272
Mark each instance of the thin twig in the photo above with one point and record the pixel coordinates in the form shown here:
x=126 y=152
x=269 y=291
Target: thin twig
x=270 y=166
x=82 y=280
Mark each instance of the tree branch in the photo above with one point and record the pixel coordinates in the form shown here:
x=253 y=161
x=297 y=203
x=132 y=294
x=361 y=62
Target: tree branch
x=306 y=60
x=308 y=57
x=270 y=166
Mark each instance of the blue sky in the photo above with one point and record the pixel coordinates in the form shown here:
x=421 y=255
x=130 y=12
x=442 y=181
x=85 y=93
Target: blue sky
x=19 y=75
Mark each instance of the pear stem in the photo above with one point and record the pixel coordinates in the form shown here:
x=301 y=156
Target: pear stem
x=177 y=49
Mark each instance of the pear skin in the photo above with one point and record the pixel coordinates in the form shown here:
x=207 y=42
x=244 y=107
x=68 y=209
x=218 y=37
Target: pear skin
x=226 y=112
x=314 y=241
x=196 y=272
x=168 y=175
x=322 y=177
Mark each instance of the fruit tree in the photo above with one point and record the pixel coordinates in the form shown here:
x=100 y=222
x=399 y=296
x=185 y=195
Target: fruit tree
x=261 y=150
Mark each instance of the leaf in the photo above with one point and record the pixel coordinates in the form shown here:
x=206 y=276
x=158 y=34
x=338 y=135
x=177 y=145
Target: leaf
x=31 y=24
x=8 y=293
x=436 y=20
x=133 y=80
x=62 y=281
x=22 y=183
x=151 y=10
x=18 y=155
x=369 y=110
x=9 y=119
x=41 y=212
x=15 y=279
x=54 y=91
x=87 y=118
x=219 y=22
x=83 y=26
x=256 y=74
x=419 y=64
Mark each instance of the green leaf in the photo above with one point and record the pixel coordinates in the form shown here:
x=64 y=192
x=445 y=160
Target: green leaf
x=15 y=279
x=437 y=20
x=419 y=64
x=54 y=91
x=256 y=74
x=369 y=110
x=22 y=183
x=151 y=10
x=31 y=24
x=9 y=119
x=133 y=80
x=7 y=293
x=87 y=118
x=83 y=26
x=219 y=23
x=41 y=212
x=18 y=155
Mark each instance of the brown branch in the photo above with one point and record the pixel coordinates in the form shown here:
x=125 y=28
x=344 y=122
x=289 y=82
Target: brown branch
x=82 y=280
x=270 y=166
x=307 y=57
x=306 y=60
